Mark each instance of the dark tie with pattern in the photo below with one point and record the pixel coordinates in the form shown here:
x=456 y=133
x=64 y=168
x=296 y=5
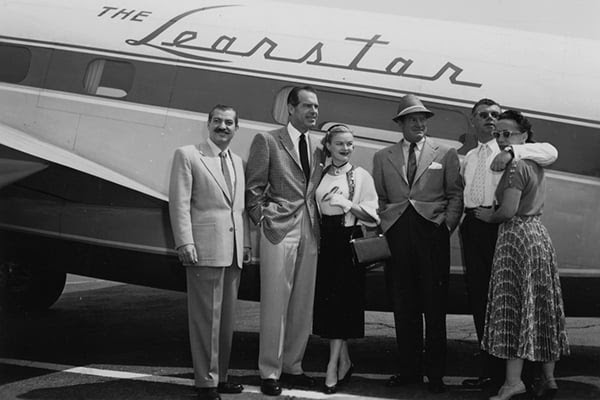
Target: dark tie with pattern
x=226 y=173
x=304 y=156
x=412 y=164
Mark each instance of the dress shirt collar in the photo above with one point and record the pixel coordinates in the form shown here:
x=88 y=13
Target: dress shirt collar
x=491 y=144
x=420 y=143
x=216 y=149
x=295 y=134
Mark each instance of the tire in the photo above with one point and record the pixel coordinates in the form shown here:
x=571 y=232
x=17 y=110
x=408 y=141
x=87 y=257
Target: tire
x=26 y=287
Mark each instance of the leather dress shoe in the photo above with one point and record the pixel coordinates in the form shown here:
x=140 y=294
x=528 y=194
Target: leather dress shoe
x=229 y=387
x=208 y=394
x=436 y=386
x=299 y=380
x=270 y=387
x=403 y=380
x=477 y=383
x=346 y=378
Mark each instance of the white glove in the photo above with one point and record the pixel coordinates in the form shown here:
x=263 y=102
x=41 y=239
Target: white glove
x=340 y=201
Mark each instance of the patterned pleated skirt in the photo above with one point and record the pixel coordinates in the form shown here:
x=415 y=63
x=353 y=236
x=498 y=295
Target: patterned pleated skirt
x=525 y=316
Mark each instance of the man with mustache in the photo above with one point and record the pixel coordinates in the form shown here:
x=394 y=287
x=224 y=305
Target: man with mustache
x=206 y=205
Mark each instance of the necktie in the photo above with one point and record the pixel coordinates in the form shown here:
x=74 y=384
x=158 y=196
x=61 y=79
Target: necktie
x=412 y=164
x=304 y=156
x=226 y=173
x=478 y=184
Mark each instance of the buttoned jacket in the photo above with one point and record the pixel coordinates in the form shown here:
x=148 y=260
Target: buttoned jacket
x=437 y=190
x=202 y=210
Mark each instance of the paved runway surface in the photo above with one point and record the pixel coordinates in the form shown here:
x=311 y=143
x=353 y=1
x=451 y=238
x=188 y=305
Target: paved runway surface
x=110 y=341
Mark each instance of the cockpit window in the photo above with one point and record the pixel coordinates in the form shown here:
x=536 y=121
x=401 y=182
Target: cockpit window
x=14 y=63
x=108 y=78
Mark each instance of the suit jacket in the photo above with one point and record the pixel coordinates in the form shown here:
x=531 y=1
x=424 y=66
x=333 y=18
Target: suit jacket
x=202 y=210
x=437 y=191
x=276 y=186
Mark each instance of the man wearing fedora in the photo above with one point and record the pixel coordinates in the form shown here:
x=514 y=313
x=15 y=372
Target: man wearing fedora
x=420 y=193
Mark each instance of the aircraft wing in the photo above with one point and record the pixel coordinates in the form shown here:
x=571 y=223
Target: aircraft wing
x=12 y=170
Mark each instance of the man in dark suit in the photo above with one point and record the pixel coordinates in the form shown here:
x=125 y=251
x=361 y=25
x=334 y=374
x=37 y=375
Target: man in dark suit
x=420 y=203
x=282 y=173
x=206 y=205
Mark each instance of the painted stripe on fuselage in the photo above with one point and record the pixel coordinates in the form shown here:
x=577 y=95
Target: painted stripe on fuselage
x=246 y=124
x=181 y=88
x=91 y=240
x=298 y=79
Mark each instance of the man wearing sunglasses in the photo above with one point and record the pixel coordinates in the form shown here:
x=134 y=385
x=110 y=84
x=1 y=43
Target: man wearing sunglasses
x=481 y=170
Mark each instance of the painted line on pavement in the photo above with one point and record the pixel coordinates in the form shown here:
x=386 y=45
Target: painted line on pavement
x=107 y=373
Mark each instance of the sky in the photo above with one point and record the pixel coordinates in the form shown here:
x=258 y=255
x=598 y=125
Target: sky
x=578 y=18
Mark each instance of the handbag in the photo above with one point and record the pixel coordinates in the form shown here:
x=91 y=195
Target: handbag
x=370 y=249
x=366 y=250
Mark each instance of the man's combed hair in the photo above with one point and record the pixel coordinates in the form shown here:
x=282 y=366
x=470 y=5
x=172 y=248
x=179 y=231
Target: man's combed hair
x=293 y=99
x=223 y=107
x=483 y=102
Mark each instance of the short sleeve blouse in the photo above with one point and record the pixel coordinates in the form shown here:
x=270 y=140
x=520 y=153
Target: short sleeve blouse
x=528 y=177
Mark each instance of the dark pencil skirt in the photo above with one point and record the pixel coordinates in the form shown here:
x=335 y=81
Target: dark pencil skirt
x=339 y=309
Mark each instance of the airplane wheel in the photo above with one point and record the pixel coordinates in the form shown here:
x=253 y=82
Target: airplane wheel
x=29 y=288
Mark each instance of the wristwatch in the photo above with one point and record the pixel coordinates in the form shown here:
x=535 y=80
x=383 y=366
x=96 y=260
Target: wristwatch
x=510 y=150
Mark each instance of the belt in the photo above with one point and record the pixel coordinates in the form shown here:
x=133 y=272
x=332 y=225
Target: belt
x=470 y=210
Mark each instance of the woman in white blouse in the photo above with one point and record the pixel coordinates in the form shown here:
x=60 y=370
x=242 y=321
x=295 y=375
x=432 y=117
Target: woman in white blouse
x=347 y=200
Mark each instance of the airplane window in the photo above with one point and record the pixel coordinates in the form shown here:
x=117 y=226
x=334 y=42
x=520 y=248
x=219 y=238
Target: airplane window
x=280 y=111
x=108 y=78
x=14 y=63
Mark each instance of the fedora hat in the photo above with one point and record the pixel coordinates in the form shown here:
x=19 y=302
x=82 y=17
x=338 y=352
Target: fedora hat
x=410 y=104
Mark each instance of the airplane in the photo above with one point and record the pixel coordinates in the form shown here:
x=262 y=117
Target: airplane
x=95 y=96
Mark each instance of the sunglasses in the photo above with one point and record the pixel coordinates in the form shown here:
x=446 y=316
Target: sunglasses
x=505 y=133
x=485 y=114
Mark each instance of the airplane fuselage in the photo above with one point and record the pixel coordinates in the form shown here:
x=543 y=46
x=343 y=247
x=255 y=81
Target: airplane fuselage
x=99 y=96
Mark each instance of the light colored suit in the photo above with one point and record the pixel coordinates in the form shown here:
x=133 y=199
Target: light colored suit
x=283 y=203
x=205 y=214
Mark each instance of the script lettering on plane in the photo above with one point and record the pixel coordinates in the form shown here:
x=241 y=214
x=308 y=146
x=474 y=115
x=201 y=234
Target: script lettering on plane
x=186 y=36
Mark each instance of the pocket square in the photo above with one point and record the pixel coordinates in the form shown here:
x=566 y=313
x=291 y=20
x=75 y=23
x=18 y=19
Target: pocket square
x=435 y=165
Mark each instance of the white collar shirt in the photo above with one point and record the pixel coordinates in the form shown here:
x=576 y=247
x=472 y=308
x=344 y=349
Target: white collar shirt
x=406 y=149
x=228 y=161
x=491 y=177
x=295 y=136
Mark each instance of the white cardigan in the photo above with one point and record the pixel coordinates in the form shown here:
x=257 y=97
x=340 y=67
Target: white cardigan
x=365 y=196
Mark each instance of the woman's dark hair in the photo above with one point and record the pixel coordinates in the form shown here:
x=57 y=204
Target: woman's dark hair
x=333 y=129
x=521 y=120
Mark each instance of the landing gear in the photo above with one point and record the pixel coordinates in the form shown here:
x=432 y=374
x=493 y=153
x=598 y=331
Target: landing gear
x=27 y=287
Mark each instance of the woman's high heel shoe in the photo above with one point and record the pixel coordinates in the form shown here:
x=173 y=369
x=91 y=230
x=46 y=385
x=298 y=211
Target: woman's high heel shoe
x=509 y=391
x=329 y=389
x=347 y=376
x=333 y=388
x=545 y=389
